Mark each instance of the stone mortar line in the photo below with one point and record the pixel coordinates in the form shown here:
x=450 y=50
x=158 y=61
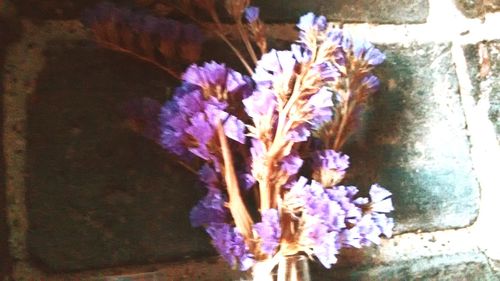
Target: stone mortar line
x=451 y=241
x=484 y=153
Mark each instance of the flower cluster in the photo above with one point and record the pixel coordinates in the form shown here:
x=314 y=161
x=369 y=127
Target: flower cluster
x=189 y=120
x=325 y=215
x=278 y=132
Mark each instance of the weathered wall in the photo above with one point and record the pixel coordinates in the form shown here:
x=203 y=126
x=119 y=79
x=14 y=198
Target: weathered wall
x=87 y=198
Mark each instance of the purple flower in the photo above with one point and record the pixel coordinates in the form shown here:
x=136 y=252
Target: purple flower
x=326 y=213
x=261 y=103
x=275 y=67
x=231 y=245
x=173 y=124
x=344 y=196
x=371 y=83
x=246 y=180
x=380 y=199
x=269 y=231
x=233 y=127
x=252 y=14
x=209 y=210
x=291 y=164
x=214 y=77
x=384 y=223
x=329 y=159
x=364 y=233
x=320 y=106
x=202 y=132
x=329 y=167
x=327 y=71
x=311 y=21
x=188 y=121
x=299 y=133
x=363 y=50
x=300 y=54
x=327 y=249
x=208 y=176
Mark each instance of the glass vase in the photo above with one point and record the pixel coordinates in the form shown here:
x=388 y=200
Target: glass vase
x=289 y=268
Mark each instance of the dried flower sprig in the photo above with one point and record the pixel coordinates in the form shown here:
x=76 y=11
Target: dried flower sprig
x=290 y=103
x=165 y=43
x=278 y=133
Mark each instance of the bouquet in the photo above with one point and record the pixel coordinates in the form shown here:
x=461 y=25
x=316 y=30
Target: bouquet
x=267 y=145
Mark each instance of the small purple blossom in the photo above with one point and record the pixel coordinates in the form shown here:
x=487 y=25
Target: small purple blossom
x=384 y=223
x=364 y=233
x=269 y=231
x=329 y=166
x=320 y=106
x=252 y=14
x=380 y=199
x=291 y=164
x=300 y=133
x=362 y=50
x=231 y=245
x=209 y=210
x=329 y=159
x=215 y=76
x=327 y=249
x=208 y=176
x=274 y=65
x=188 y=121
x=261 y=103
x=311 y=21
x=246 y=181
x=371 y=83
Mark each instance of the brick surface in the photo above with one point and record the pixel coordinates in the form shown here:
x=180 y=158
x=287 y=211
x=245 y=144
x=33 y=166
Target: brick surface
x=375 y=11
x=415 y=142
x=98 y=194
x=484 y=75
x=477 y=8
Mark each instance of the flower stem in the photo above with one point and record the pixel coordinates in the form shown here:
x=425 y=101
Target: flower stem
x=224 y=38
x=237 y=208
x=340 y=137
x=246 y=40
x=220 y=34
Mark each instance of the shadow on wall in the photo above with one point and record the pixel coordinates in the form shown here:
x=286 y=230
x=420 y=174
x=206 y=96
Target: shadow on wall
x=99 y=195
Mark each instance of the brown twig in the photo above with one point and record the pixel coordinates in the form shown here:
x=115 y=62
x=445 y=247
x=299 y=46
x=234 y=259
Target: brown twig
x=220 y=34
x=117 y=48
